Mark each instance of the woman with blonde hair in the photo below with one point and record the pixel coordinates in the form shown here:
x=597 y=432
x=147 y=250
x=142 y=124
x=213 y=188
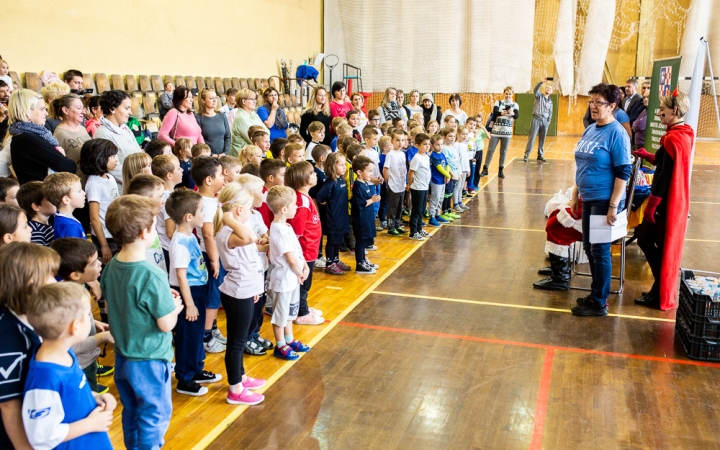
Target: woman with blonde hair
x=389 y=108
x=50 y=92
x=317 y=109
x=251 y=154
x=135 y=164
x=214 y=127
x=273 y=115
x=245 y=117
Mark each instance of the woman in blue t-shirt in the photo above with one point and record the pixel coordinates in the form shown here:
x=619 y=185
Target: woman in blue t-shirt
x=603 y=167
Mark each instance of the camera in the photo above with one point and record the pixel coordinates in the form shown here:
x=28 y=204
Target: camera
x=81 y=91
x=550 y=78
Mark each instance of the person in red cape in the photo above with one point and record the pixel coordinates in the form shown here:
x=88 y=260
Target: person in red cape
x=563 y=228
x=662 y=233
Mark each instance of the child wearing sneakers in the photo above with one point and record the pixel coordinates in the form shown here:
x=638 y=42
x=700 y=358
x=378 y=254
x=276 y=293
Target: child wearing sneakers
x=58 y=405
x=334 y=198
x=306 y=224
x=189 y=276
x=242 y=287
x=418 y=186
x=288 y=273
x=79 y=264
x=207 y=174
x=461 y=147
x=440 y=176
x=362 y=212
x=385 y=146
x=320 y=154
x=64 y=191
x=395 y=172
x=453 y=160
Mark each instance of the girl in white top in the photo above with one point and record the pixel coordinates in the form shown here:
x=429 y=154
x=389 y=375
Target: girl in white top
x=98 y=157
x=237 y=246
x=462 y=150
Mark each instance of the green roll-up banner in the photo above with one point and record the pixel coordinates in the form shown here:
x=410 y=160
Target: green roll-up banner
x=664 y=81
x=526 y=103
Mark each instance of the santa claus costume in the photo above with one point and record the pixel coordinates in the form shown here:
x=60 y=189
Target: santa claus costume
x=563 y=228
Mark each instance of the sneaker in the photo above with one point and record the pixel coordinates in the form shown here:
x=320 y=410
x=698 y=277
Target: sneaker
x=453 y=215
x=104 y=371
x=465 y=207
x=447 y=217
x=246 y=397
x=458 y=209
x=378 y=228
x=172 y=367
x=344 y=248
x=333 y=269
x=320 y=263
x=364 y=269
x=540 y=158
x=433 y=222
x=191 y=388
x=371 y=248
x=401 y=230
x=299 y=347
x=268 y=311
x=317 y=312
x=285 y=352
x=426 y=215
x=102 y=389
x=253 y=383
x=590 y=308
x=424 y=233
x=309 y=319
x=218 y=335
x=416 y=237
x=441 y=220
x=374 y=266
x=466 y=194
x=214 y=346
x=207 y=377
x=344 y=267
x=422 y=224
x=393 y=232
x=383 y=224
x=252 y=347
x=525 y=159
x=264 y=343
x=405 y=212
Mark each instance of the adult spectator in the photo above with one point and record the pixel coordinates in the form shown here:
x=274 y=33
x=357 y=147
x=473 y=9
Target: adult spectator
x=230 y=106
x=4 y=99
x=541 y=115
x=389 y=108
x=95 y=110
x=430 y=110
x=74 y=79
x=180 y=121
x=273 y=115
x=505 y=112
x=633 y=103
x=116 y=107
x=339 y=106
x=245 y=117
x=215 y=127
x=413 y=107
x=317 y=110
x=645 y=89
x=455 y=111
x=400 y=98
x=662 y=232
x=639 y=125
x=50 y=92
x=33 y=148
x=603 y=167
x=70 y=133
x=620 y=115
x=165 y=100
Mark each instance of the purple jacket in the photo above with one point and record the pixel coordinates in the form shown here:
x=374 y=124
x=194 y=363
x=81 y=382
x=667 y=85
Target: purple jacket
x=639 y=129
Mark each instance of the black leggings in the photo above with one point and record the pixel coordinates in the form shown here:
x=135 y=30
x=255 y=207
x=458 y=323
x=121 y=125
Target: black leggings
x=239 y=313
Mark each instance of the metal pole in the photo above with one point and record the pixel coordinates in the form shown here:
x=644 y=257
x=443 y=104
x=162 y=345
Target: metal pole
x=712 y=83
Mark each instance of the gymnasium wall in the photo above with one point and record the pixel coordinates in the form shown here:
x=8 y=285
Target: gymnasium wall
x=219 y=38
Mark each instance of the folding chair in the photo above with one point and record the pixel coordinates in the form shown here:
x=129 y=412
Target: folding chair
x=132 y=85
x=190 y=82
x=200 y=83
x=227 y=84
x=179 y=80
x=102 y=83
x=243 y=83
x=145 y=85
x=219 y=88
x=88 y=82
x=251 y=83
x=157 y=84
x=116 y=82
x=630 y=193
x=14 y=76
x=235 y=83
x=32 y=81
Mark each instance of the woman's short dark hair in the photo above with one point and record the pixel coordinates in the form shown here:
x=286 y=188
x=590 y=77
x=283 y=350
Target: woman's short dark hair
x=179 y=95
x=609 y=92
x=109 y=100
x=94 y=156
x=455 y=97
x=336 y=86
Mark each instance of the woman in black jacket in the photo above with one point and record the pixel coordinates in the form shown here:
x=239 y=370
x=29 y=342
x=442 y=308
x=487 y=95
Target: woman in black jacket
x=33 y=148
x=318 y=109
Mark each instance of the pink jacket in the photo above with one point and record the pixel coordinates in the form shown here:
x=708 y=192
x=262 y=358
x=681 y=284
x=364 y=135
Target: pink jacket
x=187 y=127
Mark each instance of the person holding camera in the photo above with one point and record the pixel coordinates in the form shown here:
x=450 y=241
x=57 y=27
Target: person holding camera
x=74 y=79
x=505 y=112
x=541 y=115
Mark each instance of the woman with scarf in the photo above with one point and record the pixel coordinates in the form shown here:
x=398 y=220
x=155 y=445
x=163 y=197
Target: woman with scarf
x=389 y=108
x=662 y=232
x=180 y=121
x=33 y=149
x=430 y=110
x=273 y=115
x=116 y=107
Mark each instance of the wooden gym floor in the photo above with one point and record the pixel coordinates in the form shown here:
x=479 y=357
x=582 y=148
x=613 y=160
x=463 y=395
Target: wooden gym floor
x=449 y=346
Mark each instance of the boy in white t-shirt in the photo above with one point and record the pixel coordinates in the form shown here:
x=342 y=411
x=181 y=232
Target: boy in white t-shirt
x=395 y=172
x=419 y=185
x=167 y=168
x=289 y=271
x=151 y=187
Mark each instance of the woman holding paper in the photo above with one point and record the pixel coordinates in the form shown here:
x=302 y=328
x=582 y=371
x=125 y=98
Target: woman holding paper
x=661 y=235
x=603 y=167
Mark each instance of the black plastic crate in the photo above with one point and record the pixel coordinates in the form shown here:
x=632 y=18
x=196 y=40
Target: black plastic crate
x=699 y=326
x=698 y=304
x=696 y=348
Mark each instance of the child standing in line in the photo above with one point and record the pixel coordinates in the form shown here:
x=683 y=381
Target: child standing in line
x=320 y=154
x=362 y=213
x=230 y=168
x=142 y=312
x=440 y=176
x=317 y=134
x=334 y=197
x=306 y=224
x=353 y=119
x=38 y=211
x=294 y=153
x=370 y=136
x=461 y=148
x=13 y=225
x=207 y=174
x=453 y=160
x=63 y=190
x=189 y=276
x=182 y=150
x=98 y=157
x=288 y=273
x=395 y=172
x=418 y=185
x=58 y=405
x=277 y=149
x=480 y=136
x=357 y=101
x=261 y=139
x=385 y=145
x=134 y=164
x=152 y=187
x=168 y=169
x=251 y=154
x=272 y=172
x=242 y=287
x=200 y=151
x=8 y=191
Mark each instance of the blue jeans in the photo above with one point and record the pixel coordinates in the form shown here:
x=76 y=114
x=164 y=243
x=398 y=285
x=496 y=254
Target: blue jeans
x=598 y=254
x=376 y=205
x=189 y=349
x=145 y=393
x=212 y=299
x=382 y=209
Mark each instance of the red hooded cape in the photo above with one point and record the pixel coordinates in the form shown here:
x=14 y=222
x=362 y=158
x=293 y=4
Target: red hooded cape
x=678 y=141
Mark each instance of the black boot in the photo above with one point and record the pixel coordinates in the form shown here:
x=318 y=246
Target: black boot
x=484 y=172
x=560 y=278
x=649 y=299
x=545 y=271
x=500 y=172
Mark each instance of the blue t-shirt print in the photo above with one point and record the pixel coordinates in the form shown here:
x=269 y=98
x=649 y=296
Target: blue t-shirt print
x=599 y=151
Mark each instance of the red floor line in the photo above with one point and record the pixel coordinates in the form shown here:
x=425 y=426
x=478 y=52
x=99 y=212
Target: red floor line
x=542 y=401
x=531 y=345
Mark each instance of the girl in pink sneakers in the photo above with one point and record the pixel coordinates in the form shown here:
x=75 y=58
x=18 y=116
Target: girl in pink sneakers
x=244 y=283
